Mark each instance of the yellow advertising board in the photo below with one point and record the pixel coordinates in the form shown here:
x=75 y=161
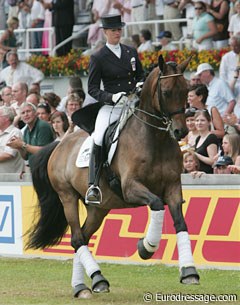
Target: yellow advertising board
x=212 y=217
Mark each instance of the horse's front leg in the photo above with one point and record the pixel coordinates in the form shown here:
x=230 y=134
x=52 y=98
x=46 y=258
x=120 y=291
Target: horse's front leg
x=135 y=192
x=188 y=273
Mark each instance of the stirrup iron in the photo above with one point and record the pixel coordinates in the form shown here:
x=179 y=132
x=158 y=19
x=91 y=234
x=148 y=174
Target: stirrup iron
x=96 y=187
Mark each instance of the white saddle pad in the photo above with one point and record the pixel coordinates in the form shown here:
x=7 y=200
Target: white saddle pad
x=84 y=154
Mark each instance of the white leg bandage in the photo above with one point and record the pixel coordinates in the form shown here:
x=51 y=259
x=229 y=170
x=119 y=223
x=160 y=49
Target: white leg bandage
x=87 y=260
x=185 y=258
x=154 y=232
x=77 y=272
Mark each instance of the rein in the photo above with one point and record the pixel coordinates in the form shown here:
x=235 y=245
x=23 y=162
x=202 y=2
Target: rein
x=164 y=118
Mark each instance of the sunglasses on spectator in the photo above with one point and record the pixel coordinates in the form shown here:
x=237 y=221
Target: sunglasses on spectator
x=193 y=110
x=199 y=8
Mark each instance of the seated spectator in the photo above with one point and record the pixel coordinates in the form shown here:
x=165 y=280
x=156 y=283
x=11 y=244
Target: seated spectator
x=197 y=97
x=73 y=103
x=136 y=40
x=234 y=22
x=8 y=40
x=194 y=79
x=7 y=96
x=190 y=162
x=33 y=98
x=37 y=133
x=204 y=28
x=219 y=93
x=231 y=147
x=10 y=158
x=75 y=86
x=146 y=42
x=232 y=122
x=19 y=72
x=53 y=100
x=165 y=38
x=19 y=95
x=44 y=112
x=35 y=88
x=220 y=10
x=221 y=165
x=206 y=145
x=61 y=126
x=190 y=139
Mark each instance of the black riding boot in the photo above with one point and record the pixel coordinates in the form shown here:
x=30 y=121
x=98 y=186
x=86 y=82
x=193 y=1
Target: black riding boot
x=94 y=194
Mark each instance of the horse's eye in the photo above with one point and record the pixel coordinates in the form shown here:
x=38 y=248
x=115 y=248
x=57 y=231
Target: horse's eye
x=166 y=93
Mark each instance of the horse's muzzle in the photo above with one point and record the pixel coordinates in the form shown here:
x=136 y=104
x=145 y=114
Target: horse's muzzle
x=180 y=133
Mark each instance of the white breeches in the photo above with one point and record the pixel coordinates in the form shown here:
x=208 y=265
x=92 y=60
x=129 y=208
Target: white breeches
x=106 y=115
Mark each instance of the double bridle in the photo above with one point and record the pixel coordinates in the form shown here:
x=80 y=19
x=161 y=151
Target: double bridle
x=165 y=117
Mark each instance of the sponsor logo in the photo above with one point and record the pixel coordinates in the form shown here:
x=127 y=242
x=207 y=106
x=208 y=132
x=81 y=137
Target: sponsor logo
x=213 y=226
x=7 y=235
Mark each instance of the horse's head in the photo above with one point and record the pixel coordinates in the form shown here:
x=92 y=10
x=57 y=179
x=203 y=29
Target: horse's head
x=165 y=94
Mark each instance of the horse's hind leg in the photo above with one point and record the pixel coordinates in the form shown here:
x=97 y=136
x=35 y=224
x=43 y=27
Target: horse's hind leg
x=93 y=221
x=69 y=200
x=80 y=290
x=188 y=273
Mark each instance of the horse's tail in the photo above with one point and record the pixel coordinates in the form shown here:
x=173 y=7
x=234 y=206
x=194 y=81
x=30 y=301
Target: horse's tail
x=52 y=223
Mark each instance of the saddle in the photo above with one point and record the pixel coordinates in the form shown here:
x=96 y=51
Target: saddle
x=110 y=141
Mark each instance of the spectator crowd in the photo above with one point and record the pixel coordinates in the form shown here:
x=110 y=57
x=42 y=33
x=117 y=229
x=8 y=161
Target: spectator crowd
x=31 y=119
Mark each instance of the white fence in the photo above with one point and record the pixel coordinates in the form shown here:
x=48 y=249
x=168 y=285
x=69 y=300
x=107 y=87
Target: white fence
x=24 y=36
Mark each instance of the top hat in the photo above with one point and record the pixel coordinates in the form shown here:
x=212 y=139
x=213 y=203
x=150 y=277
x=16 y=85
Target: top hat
x=111 y=22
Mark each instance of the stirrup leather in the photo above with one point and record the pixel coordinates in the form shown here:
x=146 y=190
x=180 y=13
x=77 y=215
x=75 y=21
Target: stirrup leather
x=92 y=188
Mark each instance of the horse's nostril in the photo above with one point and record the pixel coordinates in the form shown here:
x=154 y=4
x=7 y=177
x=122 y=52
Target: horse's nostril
x=180 y=133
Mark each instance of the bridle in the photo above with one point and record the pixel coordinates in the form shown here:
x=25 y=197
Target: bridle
x=164 y=116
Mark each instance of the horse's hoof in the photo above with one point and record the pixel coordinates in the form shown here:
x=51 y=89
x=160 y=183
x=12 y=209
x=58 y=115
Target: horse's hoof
x=85 y=294
x=143 y=252
x=189 y=276
x=100 y=284
x=101 y=287
x=190 y=280
x=81 y=291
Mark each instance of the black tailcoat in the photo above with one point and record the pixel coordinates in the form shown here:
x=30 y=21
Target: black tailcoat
x=117 y=74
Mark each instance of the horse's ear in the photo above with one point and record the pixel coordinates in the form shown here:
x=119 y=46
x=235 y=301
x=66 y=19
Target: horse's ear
x=161 y=64
x=184 y=64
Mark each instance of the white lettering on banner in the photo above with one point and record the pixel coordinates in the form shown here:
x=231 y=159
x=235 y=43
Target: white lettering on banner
x=10 y=220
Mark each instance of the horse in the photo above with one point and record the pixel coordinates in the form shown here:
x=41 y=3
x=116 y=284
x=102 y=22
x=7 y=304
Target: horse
x=151 y=177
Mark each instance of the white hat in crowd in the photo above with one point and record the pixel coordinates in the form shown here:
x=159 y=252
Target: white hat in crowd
x=203 y=67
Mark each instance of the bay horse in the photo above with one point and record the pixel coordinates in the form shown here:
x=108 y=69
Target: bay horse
x=148 y=164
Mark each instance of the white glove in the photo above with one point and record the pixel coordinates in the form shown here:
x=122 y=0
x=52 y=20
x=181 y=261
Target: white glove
x=118 y=96
x=139 y=84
